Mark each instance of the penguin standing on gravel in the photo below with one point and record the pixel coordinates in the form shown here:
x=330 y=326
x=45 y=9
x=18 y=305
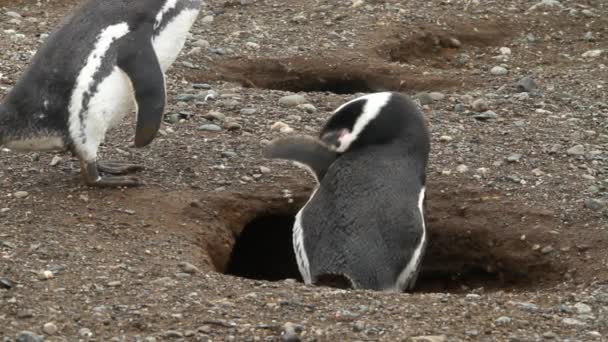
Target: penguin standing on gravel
x=364 y=223
x=105 y=60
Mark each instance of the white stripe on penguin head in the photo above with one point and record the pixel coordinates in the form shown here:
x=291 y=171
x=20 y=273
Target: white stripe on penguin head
x=373 y=105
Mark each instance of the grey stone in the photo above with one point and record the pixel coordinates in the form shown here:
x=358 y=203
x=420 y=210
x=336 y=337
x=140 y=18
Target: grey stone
x=209 y=127
x=290 y=332
x=5 y=283
x=28 y=336
x=308 y=108
x=436 y=96
x=85 y=332
x=187 y=267
x=208 y=19
x=577 y=150
x=582 y=308
x=173 y=334
x=514 y=157
x=229 y=154
x=502 y=320
x=424 y=98
x=185 y=97
x=499 y=71
x=527 y=85
x=480 y=105
x=594 y=204
x=21 y=194
x=214 y=115
x=485 y=116
x=292 y=100
x=201 y=86
x=248 y=111
x=50 y=328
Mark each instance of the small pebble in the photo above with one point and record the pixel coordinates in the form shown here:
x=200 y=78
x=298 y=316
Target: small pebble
x=503 y=320
x=290 y=332
x=480 y=105
x=85 y=332
x=292 y=100
x=514 y=157
x=187 y=267
x=5 y=283
x=232 y=125
x=594 y=204
x=264 y=169
x=248 y=111
x=499 y=71
x=45 y=275
x=582 y=308
x=21 y=194
x=593 y=53
x=209 y=127
x=308 y=108
x=572 y=321
x=577 y=150
x=214 y=115
x=462 y=168
x=28 y=336
x=485 y=116
x=50 y=328
x=527 y=85
x=173 y=334
x=115 y=283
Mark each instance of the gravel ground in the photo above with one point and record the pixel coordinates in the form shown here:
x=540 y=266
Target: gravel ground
x=515 y=95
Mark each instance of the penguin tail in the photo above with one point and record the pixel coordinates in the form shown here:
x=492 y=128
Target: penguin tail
x=303 y=150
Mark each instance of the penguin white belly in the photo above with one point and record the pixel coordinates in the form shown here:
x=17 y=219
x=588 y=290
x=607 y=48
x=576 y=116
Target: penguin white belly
x=172 y=37
x=112 y=101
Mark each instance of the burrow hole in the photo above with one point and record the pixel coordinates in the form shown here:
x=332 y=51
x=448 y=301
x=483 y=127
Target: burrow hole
x=461 y=254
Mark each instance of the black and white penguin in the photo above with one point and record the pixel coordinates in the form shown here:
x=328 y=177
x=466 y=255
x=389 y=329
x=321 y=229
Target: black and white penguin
x=105 y=60
x=365 y=220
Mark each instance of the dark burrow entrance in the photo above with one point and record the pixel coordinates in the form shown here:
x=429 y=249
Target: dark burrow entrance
x=474 y=242
x=264 y=250
x=331 y=74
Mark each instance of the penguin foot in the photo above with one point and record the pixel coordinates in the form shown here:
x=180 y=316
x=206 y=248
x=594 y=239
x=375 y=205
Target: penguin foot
x=90 y=173
x=116 y=181
x=117 y=167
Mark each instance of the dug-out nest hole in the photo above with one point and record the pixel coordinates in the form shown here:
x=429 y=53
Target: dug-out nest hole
x=331 y=74
x=475 y=239
x=437 y=47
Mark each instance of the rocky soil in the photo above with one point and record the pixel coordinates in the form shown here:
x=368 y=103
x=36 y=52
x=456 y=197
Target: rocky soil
x=515 y=93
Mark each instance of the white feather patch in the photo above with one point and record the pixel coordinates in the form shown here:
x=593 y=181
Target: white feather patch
x=172 y=38
x=298 y=244
x=414 y=263
x=86 y=78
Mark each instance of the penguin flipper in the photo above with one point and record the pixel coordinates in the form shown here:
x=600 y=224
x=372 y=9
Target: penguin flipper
x=137 y=58
x=304 y=150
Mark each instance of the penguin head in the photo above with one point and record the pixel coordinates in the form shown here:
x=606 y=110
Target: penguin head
x=368 y=120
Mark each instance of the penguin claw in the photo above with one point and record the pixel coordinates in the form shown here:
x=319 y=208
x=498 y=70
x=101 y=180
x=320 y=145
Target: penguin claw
x=90 y=173
x=118 y=168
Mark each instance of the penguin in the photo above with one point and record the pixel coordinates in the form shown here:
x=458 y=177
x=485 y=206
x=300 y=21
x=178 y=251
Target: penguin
x=105 y=60
x=363 y=225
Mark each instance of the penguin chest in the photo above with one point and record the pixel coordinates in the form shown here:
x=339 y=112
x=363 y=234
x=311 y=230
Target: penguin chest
x=113 y=99
x=171 y=36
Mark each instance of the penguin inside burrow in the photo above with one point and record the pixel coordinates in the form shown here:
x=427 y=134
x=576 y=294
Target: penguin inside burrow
x=105 y=60
x=364 y=222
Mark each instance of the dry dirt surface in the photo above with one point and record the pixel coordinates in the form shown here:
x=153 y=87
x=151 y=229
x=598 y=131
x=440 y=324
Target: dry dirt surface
x=515 y=93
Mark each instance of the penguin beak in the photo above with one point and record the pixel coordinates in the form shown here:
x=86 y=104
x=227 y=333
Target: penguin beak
x=333 y=138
